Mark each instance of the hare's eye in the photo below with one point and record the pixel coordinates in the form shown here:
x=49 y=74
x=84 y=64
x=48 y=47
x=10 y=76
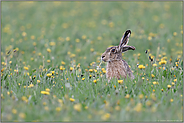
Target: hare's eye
x=113 y=50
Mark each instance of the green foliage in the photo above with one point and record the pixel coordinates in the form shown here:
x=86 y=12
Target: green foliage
x=50 y=52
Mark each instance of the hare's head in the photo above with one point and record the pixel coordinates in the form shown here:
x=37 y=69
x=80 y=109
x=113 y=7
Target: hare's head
x=115 y=52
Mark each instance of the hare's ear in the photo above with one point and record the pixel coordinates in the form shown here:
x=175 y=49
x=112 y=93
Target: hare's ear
x=124 y=40
x=125 y=48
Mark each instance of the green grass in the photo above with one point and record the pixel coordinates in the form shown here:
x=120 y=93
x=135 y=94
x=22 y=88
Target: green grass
x=32 y=28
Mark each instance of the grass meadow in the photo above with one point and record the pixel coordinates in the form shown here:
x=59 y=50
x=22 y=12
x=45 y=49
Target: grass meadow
x=51 y=51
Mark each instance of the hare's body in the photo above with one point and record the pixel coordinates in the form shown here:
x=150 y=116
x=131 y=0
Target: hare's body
x=116 y=66
x=118 y=69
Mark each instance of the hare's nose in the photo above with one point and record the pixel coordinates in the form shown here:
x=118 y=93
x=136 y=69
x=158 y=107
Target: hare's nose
x=103 y=57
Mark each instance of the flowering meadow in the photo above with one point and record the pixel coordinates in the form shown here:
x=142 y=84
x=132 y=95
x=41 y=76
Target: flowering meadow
x=51 y=68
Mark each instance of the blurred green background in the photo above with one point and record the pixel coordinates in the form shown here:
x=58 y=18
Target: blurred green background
x=100 y=23
x=39 y=36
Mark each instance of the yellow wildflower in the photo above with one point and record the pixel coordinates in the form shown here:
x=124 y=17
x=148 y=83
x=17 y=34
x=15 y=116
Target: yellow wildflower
x=138 y=107
x=38 y=81
x=152 y=75
x=141 y=67
x=58 y=109
x=90 y=70
x=48 y=50
x=22 y=115
x=120 y=81
x=49 y=74
x=168 y=86
x=141 y=96
x=127 y=96
x=47 y=89
x=31 y=85
x=71 y=68
x=72 y=100
x=63 y=63
x=45 y=92
x=77 y=107
x=26 y=68
x=105 y=116
x=171 y=100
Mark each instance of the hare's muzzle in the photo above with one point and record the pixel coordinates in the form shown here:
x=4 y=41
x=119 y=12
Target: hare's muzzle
x=103 y=57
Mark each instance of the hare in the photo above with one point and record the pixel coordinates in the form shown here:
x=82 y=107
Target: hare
x=116 y=66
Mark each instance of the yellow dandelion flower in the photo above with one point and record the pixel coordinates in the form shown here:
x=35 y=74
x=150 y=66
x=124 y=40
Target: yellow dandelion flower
x=171 y=100
x=38 y=81
x=83 y=78
x=26 y=68
x=84 y=37
x=49 y=74
x=127 y=96
x=148 y=103
x=175 y=80
x=105 y=116
x=46 y=108
x=141 y=96
x=32 y=37
x=22 y=115
x=162 y=62
x=95 y=81
x=117 y=108
x=120 y=81
x=31 y=85
x=34 y=43
x=45 y=92
x=62 y=68
x=92 y=50
x=111 y=24
x=47 y=89
x=14 y=111
x=153 y=97
x=172 y=83
x=58 y=109
x=52 y=72
x=44 y=103
x=175 y=33
x=168 y=86
x=24 y=34
x=86 y=107
x=154 y=83
x=67 y=38
x=138 y=107
x=48 y=50
x=63 y=63
x=71 y=68
x=48 y=61
x=24 y=98
x=77 y=40
x=52 y=43
x=141 y=67
x=72 y=100
x=149 y=38
x=152 y=75
x=77 y=107
x=154 y=65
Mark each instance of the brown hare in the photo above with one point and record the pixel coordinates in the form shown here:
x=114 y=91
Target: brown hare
x=116 y=66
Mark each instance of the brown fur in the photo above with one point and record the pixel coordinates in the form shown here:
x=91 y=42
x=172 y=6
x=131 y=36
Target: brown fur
x=116 y=66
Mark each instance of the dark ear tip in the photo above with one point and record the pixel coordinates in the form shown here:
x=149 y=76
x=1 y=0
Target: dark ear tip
x=128 y=31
